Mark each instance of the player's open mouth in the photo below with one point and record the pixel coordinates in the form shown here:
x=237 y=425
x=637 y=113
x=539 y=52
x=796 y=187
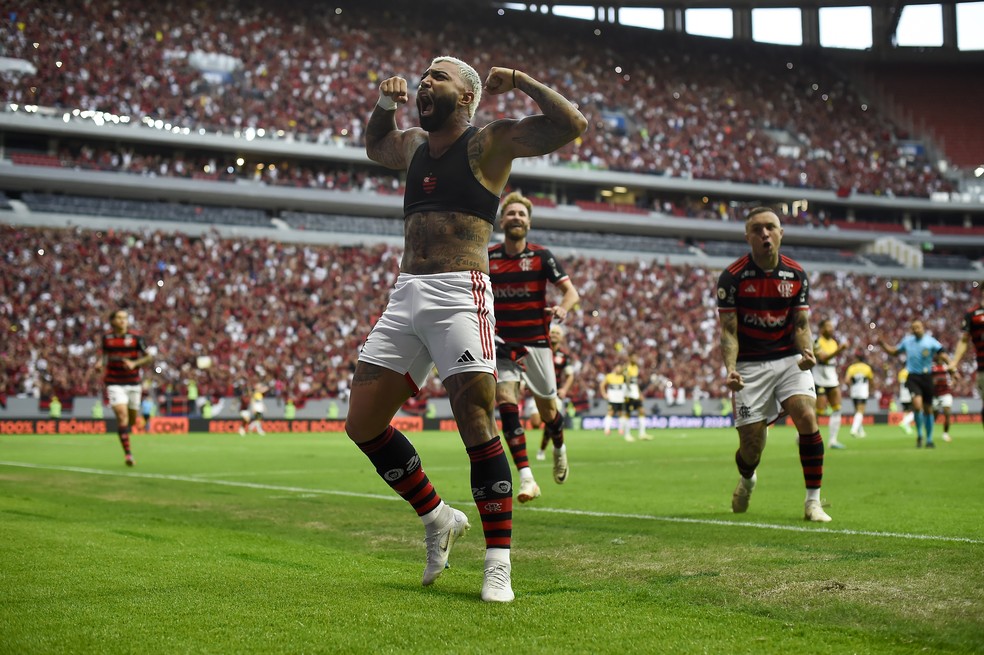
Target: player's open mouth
x=425 y=105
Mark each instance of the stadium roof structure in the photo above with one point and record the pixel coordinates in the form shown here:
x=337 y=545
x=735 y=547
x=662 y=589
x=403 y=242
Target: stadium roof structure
x=750 y=4
x=885 y=16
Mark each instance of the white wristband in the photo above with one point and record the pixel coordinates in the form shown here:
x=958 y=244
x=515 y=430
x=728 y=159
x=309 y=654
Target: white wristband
x=385 y=102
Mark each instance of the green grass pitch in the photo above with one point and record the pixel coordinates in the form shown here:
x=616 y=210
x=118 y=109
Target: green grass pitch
x=292 y=544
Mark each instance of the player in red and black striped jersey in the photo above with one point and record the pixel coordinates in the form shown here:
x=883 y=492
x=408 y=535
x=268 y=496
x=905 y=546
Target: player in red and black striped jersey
x=973 y=335
x=767 y=347
x=124 y=353
x=520 y=271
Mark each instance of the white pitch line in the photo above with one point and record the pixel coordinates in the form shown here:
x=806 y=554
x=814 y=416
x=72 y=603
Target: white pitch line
x=547 y=510
x=185 y=478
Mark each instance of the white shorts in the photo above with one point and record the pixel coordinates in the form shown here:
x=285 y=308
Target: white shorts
x=767 y=386
x=905 y=396
x=124 y=394
x=825 y=376
x=529 y=407
x=246 y=415
x=860 y=392
x=943 y=402
x=615 y=397
x=539 y=374
x=443 y=320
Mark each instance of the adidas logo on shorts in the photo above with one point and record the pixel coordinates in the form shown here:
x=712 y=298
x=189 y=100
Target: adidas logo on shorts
x=466 y=357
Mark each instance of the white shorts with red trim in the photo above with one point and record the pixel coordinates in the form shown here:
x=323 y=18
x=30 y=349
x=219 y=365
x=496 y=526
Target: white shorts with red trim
x=123 y=394
x=767 y=386
x=443 y=320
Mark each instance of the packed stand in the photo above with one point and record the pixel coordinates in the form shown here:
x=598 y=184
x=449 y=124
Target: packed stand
x=658 y=103
x=294 y=316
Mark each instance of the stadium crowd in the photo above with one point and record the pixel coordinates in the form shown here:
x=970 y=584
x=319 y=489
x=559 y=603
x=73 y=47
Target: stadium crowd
x=294 y=315
x=658 y=103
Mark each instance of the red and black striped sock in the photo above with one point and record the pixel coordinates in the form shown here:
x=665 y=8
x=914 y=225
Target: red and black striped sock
x=555 y=430
x=398 y=464
x=811 y=458
x=124 y=434
x=491 y=480
x=745 y=469
x=515 y=434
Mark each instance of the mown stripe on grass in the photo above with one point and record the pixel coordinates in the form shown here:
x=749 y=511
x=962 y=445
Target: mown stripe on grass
x=550 y=510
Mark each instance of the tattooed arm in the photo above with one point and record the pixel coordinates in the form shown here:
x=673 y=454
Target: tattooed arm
x=729 y=350
x=504 y=140
x=385 y=143
x=804 y=339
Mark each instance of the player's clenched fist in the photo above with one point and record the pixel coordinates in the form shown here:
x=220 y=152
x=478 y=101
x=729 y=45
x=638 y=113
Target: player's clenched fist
x=393 y=91
x=500 y=80
x=734 y=381
x=807 y=361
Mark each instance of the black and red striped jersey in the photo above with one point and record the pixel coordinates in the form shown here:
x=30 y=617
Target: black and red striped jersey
x=519 y=284
x=766 y=304
x=973 y=324
x=941 y=380
x=116 y=348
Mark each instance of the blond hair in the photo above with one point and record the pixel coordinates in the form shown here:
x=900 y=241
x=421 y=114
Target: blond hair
x=514 y=197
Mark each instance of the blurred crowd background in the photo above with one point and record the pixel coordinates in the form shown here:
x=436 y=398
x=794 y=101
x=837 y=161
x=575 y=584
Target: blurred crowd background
x=292 y=313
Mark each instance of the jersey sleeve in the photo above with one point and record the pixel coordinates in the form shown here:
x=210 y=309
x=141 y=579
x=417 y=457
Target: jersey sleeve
x=555 y=272
x=727 y=291
x=803 y=299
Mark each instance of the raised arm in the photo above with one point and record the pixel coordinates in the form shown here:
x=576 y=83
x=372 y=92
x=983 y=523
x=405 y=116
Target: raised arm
x=507 y=139
x=386 y=144
x=559 y=123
